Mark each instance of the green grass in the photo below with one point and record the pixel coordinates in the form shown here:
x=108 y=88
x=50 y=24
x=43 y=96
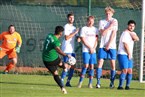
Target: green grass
x=44 y=86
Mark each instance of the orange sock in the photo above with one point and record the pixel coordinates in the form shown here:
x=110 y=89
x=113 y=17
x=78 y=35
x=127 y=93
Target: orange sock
x=9 y=67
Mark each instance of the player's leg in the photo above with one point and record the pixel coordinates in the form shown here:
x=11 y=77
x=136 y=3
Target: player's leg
x=91 y=72
x=13 y=60
x=11 y=65
x=113 y=73
x=123 y=63
x=112 y=57
x=129 y=75
x=71 y=72
x=65 y=71
x=52 y=67
x=99 y=72
x=101 y=56
x=86 y=58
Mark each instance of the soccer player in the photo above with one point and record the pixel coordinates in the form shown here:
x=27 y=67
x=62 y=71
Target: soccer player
x=108 y=29
x=11 y=43
x=125 y=54
x=51 y=53
x=89 y=38
x=70 y=33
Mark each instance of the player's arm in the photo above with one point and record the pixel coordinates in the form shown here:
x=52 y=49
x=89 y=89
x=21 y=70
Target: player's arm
x=96 y=42
x=60 y=51
x=1 y=36
x=134 y=36
x=105 y=30
x=85 y=43
x=19 y=41
x=111 y=39
x=71 y=35
x=127 y=50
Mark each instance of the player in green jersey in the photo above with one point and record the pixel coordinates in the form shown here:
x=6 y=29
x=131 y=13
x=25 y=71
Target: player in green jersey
x=51 y=53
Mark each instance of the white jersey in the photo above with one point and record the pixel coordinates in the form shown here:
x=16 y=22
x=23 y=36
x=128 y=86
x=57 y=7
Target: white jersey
x=90 y=35
x=125 y=38
x=105 y=39
x=68 y=45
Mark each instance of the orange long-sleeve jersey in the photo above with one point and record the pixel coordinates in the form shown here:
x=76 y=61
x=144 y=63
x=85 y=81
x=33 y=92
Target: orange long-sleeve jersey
x=9 y=41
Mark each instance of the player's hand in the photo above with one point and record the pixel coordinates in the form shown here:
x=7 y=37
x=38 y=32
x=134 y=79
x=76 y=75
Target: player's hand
x=107 y=47
x=92 y=50
x=129 y=57
x=18 y=49
x=77 y=30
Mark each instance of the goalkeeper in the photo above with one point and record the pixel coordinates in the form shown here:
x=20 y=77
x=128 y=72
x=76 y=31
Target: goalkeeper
x=10 y=39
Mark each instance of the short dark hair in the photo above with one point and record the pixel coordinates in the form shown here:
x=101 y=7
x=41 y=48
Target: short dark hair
x=58 y=30
x=70 y=14
x=10 y=26
x=90 y=17
x=131 y=22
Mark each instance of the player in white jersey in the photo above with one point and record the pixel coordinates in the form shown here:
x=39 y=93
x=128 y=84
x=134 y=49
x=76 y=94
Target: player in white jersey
x=89 y=38
x=125 y=54
x=70 y=33
x=107 y=50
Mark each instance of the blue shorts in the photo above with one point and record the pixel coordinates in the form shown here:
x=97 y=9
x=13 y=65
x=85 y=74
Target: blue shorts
x=89 y=58
x=110 y=54
x=65 y=59
x=124 y=62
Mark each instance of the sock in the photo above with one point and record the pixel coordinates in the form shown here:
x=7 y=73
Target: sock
x=71 y=71
x=9 y=67
x=91 y=74
x=121 y=79
x=128 y=79
x=58 y=81
x=63 y=75
x=112 y=78
x=98 y=74
x=82 y=74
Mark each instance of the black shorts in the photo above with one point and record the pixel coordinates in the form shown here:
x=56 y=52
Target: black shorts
x=52 y=66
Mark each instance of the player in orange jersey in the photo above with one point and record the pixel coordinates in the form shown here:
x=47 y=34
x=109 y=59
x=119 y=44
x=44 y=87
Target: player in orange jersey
x=11 y=43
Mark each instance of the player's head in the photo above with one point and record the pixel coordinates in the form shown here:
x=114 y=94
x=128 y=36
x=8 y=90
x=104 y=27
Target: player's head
x=70 y=18
x=58 y=31
x=131 y=25
x=109 y=12
x=11 y=29
x=90 y=21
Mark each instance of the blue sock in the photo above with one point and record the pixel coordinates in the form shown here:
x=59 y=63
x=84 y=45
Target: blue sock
x=128 y=79
x=82 y=74
x=112 y=78
x=91 y=74
x=71 y=71
x=121 y=79
x=63 y=74
x=99 y=74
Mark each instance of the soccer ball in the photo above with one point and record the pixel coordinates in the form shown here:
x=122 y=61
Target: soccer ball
x=71 y=61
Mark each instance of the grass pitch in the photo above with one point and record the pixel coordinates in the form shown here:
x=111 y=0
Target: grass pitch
x=12 y=85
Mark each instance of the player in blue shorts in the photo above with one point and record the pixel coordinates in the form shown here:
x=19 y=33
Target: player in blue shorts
x=89 y=37
x=68 y=45
x=125 y=54
x=108 y=29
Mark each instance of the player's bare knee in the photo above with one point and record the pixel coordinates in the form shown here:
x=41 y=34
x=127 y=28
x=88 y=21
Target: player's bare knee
x=124 y=71
x=129 y=71
x=14 y=60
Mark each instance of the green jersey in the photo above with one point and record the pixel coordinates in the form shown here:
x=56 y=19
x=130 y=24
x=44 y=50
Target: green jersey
x=49 y=53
